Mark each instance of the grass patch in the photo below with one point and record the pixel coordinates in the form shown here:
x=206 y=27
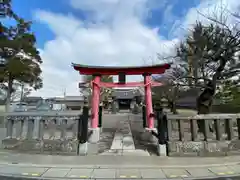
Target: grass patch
x=187 y=111
x=183 y=111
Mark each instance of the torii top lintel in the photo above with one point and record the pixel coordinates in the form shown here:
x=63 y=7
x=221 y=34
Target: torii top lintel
x=132 y=70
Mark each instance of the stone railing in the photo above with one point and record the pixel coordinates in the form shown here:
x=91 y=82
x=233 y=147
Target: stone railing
x=220 y=135
x=42 y=131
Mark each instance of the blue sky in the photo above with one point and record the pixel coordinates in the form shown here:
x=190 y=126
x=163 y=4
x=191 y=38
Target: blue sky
x=157 y=16
x=107 y=32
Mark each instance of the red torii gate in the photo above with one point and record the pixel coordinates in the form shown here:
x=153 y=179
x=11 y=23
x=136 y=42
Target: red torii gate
x=97 y=71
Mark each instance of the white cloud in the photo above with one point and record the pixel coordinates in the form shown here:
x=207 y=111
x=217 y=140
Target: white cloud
x=209 y=8
x=113 y=35
x=121 y=41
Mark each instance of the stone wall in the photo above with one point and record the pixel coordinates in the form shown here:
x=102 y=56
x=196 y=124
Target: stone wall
x=42 y=146
x=220 y=135
x=42 y=132
x=203 y=148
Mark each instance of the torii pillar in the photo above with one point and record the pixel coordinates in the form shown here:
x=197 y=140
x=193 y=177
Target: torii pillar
x=148 y=101
x=95 y=101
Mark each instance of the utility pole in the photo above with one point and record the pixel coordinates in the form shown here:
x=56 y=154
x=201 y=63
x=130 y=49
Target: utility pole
x=63 y=106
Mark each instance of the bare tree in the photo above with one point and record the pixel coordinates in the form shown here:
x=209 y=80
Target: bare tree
x=215 y=49
x=173 y=83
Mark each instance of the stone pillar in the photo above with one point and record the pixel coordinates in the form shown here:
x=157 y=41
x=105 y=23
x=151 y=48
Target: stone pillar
x=63 y=129
x=41 y=129
x=135 y=109
x=36 y=128
x=132 y=105
x=114 y=106
x=30 y=128
x=9 y=128
x=148 y=100
x=117 y=105
x=19 y=128
x=74 y=126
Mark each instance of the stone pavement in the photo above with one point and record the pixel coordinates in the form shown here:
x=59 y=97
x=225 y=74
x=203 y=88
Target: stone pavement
x=116 y=167
x=120 y=136
x=123 y=142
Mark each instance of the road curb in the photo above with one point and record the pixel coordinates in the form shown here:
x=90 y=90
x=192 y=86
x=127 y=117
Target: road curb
x=121 y=161
x=116 y=166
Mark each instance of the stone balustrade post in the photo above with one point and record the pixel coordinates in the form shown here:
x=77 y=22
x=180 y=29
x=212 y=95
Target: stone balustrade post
x=41 y=128
x=38 y=128
x=36 y=125
x=63 y=129
x=30 y=128
x=114 y=106
x=9 y=128
x=52 y=128
x=19 y=128
x=75 y=128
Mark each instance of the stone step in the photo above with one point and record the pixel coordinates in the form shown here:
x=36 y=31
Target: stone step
x=125 y=152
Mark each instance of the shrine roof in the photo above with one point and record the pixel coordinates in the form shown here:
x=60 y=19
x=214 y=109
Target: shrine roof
x=116 y=70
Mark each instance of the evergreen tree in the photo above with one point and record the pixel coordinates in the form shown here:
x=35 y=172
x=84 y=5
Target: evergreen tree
x=20 y=59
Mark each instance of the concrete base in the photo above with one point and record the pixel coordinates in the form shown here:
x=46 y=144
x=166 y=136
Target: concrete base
x=113 y=152
x=95 y=135
x=162 y=150
x=83 y=149
x=92 y=149
x=135 y=152
x=147 y=136
x=11 y=143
